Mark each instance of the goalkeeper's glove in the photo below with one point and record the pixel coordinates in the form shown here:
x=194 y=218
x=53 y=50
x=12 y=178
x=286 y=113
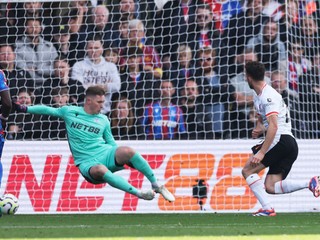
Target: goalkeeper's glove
x=18 y=107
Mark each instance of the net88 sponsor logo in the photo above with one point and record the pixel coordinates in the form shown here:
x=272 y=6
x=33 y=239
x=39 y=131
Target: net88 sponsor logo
x=222 y=186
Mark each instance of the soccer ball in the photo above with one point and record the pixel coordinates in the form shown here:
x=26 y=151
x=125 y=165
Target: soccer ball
x=9 y=204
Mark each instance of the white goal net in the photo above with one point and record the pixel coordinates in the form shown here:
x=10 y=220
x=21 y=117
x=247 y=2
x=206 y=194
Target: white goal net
x=172 y=69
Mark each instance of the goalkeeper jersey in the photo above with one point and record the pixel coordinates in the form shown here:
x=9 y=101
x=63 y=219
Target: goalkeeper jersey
x=89 y=135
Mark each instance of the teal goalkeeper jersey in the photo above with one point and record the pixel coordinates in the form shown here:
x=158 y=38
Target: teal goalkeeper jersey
x=89 y=135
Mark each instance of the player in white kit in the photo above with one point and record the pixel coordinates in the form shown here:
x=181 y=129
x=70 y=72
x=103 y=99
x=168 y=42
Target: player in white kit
x=279 y=149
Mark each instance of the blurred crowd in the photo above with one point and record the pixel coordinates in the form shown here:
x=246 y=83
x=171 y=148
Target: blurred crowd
x=171 y=69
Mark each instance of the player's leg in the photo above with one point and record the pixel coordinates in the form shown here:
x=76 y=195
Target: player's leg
x=96 y=172
x=1 y=172
x=276 y=180
x=1 y=168
x=250 y=173
x=126 y=155
x=278 y=185
x=101 y=172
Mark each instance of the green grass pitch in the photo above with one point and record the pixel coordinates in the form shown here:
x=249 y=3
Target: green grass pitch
x=198 y=226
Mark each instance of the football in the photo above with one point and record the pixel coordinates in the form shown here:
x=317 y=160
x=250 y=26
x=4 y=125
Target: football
x=9 y=204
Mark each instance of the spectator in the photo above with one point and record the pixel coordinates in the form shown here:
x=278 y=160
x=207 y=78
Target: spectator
x=213 y=87
x=60 y=97
x=125 y=11
x=243 y=26
x=102 y=27
x=73 y=19
x=298 y=65
x=279 y=82
x=34 y=54
x=26 y=10
x=61 y=41
x=137 y=85
x=95 y=70
x=268 y=46
x=112 y=55
x=289 y=21
x=62 y=79
x=241 y=109
x=8 y=31
x=17 y=78
x=309 y=35
x=123 y=122
x=83 y=11
x=205 y=35
x=309 y=98
x=53 y=128
x=198 y=121
x=23 y=126
x=172 y=24
x=162 y=119
x=151 y=60
x=182 y=69
x=124 y=32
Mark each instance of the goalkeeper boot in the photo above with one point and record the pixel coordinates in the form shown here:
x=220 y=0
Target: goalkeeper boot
x=314 y=186
x=165 y=193
x=146 y=195
x=264 y=213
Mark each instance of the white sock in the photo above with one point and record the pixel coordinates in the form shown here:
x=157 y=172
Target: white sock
x=257 y=186
x=288 y=186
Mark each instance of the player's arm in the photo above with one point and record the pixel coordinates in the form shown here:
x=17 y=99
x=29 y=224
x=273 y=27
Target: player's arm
x=271 y=132
x=38 y=109
x=107 y=135
x=6 y=104
x=259 y=128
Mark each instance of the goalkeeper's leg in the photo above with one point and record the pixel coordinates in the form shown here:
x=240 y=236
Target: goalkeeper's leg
x=126 y=155
x=120 y=183
x=95 y=172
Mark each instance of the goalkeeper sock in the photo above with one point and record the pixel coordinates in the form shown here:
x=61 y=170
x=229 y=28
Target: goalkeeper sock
x=288 y=186
x=256 y=185
x=143 y=166
x=119 y=183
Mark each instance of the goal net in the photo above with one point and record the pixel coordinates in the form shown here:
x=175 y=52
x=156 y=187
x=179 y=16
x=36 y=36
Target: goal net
x=172 y=69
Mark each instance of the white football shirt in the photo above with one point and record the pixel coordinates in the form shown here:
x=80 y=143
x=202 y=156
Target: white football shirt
x=270 y=102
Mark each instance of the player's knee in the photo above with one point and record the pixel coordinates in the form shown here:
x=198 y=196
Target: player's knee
x=245 y=172
x=98 y=171
x=125 y=153
x=269 y=189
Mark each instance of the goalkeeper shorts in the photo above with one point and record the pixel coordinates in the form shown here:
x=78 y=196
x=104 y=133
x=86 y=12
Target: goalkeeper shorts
x=107 y=160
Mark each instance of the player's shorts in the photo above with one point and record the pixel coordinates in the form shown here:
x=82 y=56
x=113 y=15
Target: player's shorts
x=107 y=160
x=281 y=157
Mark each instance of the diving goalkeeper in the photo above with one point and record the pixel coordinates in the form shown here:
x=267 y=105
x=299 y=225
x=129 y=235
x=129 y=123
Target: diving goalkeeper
x=93 y=147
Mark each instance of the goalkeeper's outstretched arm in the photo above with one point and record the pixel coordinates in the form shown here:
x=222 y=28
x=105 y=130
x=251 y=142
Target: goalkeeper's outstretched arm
x=37 y=109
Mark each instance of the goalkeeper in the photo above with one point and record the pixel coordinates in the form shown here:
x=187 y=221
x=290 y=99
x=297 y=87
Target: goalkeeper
x=93 y=147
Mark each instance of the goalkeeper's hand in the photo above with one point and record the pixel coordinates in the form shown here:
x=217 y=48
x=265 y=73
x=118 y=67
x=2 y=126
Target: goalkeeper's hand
x=18 y=107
